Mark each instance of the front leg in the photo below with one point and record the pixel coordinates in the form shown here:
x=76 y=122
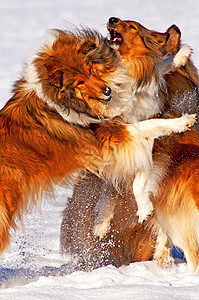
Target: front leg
x=124 y=145
x=182 y=56
x=178 y=60
x=144 y=204
x=155 y=128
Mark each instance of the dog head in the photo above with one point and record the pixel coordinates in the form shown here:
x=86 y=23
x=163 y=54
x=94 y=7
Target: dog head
x=132 y=37
x=126 y=34
x=71 y=74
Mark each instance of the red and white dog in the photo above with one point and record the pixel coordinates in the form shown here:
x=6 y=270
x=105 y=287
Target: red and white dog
x=99 y=203
x=46 y=133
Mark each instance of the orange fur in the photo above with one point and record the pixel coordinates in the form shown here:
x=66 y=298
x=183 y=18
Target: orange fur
x=127 y=241
x=177 y=205
x=180 y=193
x=37 y=149
x=178 y=82
x=140 y=48
x=45 y=134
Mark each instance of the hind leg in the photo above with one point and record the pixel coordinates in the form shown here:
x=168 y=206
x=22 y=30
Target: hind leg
x=186 y=239
x=192 y=258
x=190 y=248
x=10 y=198
x=5 y=222
x=162 y=250
x=182 y=230
x=105 y=211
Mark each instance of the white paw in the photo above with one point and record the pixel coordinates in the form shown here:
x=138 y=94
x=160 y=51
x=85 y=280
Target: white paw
x=185 y=122
x=164 y=259
x=101 y=229
x=144 y=212
x=182 y=56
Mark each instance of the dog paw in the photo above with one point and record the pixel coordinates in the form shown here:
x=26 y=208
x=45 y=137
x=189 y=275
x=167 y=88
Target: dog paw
x=164 y=259
x=145 y=212
x=182 y=56
x=185 y=122
x=101 y=229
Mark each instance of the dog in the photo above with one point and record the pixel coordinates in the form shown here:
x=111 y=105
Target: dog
x=176 y=205
x=143 y=71
x=47 y=132
x=185 y=85
x=179 y=202
x=126 y=241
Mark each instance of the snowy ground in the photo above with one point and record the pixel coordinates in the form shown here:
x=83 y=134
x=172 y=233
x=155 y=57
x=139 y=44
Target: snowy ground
x=32 y=268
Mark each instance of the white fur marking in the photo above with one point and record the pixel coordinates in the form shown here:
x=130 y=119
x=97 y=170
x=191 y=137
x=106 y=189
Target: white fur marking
x=182 y=56
x=149 y=130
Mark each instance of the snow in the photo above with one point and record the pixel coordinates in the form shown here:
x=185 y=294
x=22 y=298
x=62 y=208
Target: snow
x=32 y=267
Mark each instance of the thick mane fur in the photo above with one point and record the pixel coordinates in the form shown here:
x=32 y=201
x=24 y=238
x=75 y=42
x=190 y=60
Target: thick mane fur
x=46 y=135
x=93 y=49
x=129 y=96
x=126 y=240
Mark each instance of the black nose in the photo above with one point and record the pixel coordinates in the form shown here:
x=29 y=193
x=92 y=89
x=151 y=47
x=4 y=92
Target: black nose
x=107 y=91
x=113 y=21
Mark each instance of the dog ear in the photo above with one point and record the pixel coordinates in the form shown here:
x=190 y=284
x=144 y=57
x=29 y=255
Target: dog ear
x=162 y=38
x=155 y=40
x=173 y=43
x=55 y=76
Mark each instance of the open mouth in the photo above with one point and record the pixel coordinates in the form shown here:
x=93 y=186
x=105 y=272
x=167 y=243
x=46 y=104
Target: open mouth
x=114 y=36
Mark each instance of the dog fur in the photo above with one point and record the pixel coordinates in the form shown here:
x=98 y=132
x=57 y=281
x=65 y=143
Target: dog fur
x=142 y=59
x=45 y=127
x=126 y=241
x=46 y=132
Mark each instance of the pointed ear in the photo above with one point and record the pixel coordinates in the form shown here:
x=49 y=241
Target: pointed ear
x=173 y=43
x=162 y=38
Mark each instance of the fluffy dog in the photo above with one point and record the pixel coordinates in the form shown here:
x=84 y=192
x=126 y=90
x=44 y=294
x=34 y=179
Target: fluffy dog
x=46 y=132
x=181 y=92
x=126 y=241
x=141 y=56
x=45 y=127
x=178 y=204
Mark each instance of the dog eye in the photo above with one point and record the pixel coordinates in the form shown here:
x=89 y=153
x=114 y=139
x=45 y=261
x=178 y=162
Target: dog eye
x=133 y=27
x=80 y=82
